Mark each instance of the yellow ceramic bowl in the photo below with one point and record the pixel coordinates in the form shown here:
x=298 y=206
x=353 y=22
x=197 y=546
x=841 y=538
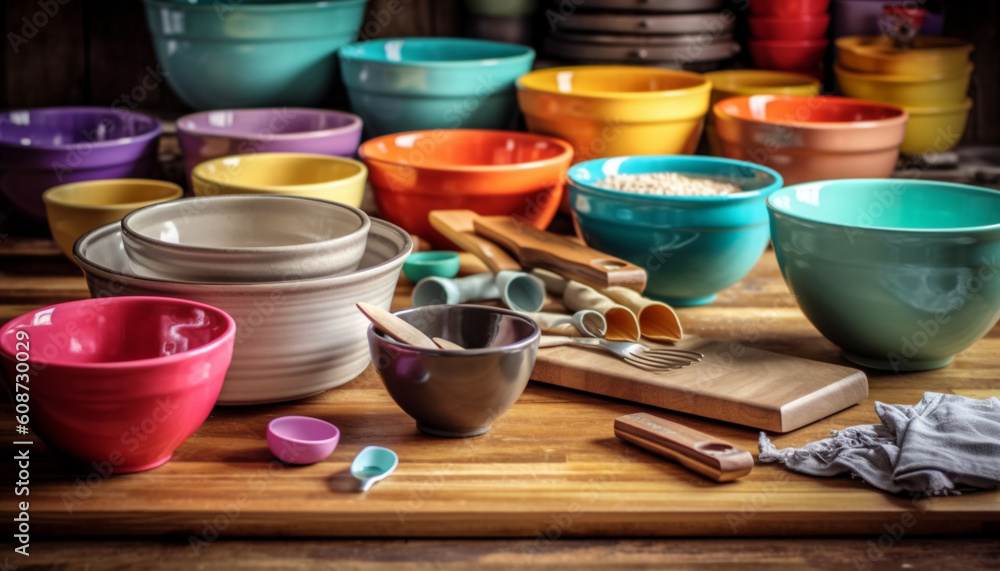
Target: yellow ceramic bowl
x=736 y=82
x=929 y=55
x=299 y=174
x=76 y=208
x=607 y=111
x=935 y=129
x=906 y=90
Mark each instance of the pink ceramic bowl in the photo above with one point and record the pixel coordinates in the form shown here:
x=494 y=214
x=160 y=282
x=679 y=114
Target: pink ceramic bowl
x=802 y=27
x=301 y=439
x=118 y=382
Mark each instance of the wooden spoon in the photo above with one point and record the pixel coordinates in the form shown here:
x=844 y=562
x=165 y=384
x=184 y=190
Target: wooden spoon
x=396 y=328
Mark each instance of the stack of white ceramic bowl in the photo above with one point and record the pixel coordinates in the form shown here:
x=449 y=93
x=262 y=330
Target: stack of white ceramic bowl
x=288 y=269
x=694 y=35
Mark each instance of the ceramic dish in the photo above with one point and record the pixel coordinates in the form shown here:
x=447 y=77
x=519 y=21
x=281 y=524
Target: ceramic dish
x=490 y=172
x=616 y=110
x=706 y=22
x=928 y=55
x=923 y=90
x=314 y=176
x=896 y=272
x=802 y=27
x=293 y=339
x=458 y=393
x=223 y=132
x=409 y=84
x=42 y=148
x=628 y=54
x=121 y=381
x=691 y=247
x=75 y=208
x=439 y=264
x=788 y=55
x=253 y=238
x=935 y=129
x=788 y=8
x=301 y=439
x=251 y=53
x=812 y=138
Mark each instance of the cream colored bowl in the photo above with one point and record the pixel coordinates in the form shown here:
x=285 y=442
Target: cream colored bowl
x=315 y=176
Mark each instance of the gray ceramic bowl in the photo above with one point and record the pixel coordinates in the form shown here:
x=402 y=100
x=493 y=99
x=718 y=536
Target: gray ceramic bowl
x=458 y=393
x=245 y=238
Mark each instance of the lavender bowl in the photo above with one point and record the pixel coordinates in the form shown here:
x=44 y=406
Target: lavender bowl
x=211 y=134
x=301 y=439
x=42 y=148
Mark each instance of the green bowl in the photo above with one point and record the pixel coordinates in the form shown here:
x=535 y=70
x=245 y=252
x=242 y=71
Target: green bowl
x=420 y=265
x=900 y=274
x=692 y=247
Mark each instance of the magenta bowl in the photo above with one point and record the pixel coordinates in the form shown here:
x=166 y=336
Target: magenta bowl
x=117 y=382
x=42 y=148
x=211 y=134
x=301 y=439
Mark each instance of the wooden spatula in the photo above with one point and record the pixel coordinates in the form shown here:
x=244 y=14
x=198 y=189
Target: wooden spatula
x=564 y=256
x=705 y=454
x=456 y=225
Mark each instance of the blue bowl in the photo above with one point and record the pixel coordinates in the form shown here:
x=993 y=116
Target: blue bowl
x=412 y=84
x=692 y=247
x=250 y=53
x=900 y=274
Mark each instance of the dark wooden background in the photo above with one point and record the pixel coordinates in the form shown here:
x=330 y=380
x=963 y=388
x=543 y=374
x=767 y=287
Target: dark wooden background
x=93 y=51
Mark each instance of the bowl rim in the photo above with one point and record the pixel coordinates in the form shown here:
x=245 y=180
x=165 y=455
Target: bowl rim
x=226 y=336
x=840 y=70
x=269 y=7
x=129 y=231
x=965 y=188
x=431 y=257
x=153 y=133
x=902 y=117
x=354 y=124
x=777 y=183
x=524 y=53
x=323 y=282
x=274 y=423
x=198 y=173
x=703 y=85
x=52 y=195
x=859 y=45
x=517 y=346
x=772 y=43
x=564 y=156
x=792 y=18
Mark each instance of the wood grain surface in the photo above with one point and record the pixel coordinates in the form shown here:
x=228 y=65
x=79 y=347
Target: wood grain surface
x=550 y=467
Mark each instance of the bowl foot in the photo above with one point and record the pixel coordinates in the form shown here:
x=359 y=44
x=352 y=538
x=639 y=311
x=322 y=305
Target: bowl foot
x=143 y=467
x=898 y=365
x=452 y=434
x=688 y=301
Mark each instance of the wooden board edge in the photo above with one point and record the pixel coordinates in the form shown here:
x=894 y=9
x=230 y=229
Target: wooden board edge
x=820 y=404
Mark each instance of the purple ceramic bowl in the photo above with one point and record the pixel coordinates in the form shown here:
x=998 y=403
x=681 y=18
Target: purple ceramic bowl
x=220 y=133
x=42 y=148
x=301 y=439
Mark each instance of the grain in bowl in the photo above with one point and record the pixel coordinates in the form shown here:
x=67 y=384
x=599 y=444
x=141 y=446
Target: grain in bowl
x=667 y=184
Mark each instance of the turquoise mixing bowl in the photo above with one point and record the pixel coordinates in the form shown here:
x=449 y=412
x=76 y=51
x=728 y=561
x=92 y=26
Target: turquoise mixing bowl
x=900 y=274
x=220 y=54
x=413 y=84
x=692 y=247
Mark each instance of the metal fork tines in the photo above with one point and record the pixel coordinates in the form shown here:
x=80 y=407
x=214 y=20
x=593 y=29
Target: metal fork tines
x=635 y=354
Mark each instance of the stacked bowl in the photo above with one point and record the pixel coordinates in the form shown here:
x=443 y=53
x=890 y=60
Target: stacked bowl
x=929 y=79
x=789 y=35
x=288 y=270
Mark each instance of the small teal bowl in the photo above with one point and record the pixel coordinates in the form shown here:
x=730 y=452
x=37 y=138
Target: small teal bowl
x=692 y=247
x=412 y=84
x=900 y=274
x=420 y=265
x=250 y=53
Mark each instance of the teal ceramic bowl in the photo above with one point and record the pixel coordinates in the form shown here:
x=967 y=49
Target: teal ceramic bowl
x=691 y=247
x=420 y=265
x=219 y=54
x=412 y=84
x=900 y=274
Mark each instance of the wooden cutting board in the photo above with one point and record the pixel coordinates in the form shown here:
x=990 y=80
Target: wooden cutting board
x=734 y=383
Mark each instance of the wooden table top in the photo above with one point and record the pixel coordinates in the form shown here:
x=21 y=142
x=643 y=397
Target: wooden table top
x=550 y=474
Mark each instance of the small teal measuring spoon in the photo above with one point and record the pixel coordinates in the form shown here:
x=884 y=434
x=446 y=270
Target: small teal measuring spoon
x=372 y=464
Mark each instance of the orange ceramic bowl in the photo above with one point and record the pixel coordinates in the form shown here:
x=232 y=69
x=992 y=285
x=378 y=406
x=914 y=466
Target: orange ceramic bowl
x=489 y=172
x=812 y=138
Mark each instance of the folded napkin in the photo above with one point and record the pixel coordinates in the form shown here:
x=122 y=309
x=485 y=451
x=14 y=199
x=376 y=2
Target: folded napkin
x=941 y=445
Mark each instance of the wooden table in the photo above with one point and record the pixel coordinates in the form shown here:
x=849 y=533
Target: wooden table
x=550 y=475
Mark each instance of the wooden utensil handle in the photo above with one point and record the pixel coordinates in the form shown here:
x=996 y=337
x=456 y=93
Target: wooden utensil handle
x=536 y=248
x=695 y=450
x=456 y=225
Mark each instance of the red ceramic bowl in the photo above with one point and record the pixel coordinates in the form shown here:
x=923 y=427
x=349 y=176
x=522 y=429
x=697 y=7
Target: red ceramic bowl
x=805 y=27
x=812 y=138
x=788 y=55
x=788 y=7
x=489 y=172
x=119 y=382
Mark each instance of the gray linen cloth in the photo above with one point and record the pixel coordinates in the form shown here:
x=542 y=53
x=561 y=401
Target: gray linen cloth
x=940 y=446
